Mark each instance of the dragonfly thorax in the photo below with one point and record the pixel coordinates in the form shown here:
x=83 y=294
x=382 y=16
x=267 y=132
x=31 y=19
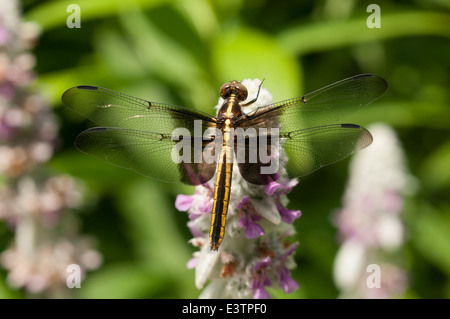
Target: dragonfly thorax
x=230 y=110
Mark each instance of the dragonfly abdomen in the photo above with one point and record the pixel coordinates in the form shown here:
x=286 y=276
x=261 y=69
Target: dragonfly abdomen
x=221 y=193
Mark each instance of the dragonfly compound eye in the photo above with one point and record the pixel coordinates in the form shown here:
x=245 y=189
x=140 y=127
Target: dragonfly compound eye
x=241 y=91
x=233 y=87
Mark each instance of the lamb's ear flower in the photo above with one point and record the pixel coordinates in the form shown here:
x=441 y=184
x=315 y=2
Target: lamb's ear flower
x=34 y=204
x=369 y=223
x=254 y=253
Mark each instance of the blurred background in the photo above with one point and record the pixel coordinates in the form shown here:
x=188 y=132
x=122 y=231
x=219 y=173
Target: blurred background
x=59 y=206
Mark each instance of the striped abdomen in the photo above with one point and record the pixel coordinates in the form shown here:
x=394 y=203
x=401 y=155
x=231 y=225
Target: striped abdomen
x=222 y=191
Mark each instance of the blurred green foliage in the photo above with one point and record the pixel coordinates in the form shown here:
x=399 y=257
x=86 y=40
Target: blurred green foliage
x=180 y=52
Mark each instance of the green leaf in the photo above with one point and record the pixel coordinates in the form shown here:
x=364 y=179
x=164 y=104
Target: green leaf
x=435 y=171
x=244 y=53
x=92 y=170
x=52 y=14
x=325 y=36
x=166 y=58
x=151 y=225
x=404 y=114
x=121 y=281
x=429 y=234
x=7 y=292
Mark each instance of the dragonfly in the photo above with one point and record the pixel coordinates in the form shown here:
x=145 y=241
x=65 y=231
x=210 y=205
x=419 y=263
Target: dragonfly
x=138 y=135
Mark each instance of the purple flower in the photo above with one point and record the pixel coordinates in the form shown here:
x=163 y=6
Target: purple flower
x=289 y=251
x=280 y=189
x=192 y=263
x=4 y=36
x=285 y=280
x=287 y=215
x=248 y=219
x=261 y=280
x=263 y=264
x=7 y=91
x=259 y=292
x=288 y=284
x=271 y=188
x=243 y=203
x=183 y=202
x=5 y=129
x=393 y=202
x=251 y=229
x=197 y=204
x=194 y=230
x=205 y=207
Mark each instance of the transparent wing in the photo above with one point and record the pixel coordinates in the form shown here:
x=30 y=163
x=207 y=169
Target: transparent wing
x=113 y=109
x=313 y=148
x=325 y=106
x=150 y=154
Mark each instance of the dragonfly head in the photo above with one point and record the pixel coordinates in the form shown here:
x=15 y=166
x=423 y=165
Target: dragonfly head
x=234 y=87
